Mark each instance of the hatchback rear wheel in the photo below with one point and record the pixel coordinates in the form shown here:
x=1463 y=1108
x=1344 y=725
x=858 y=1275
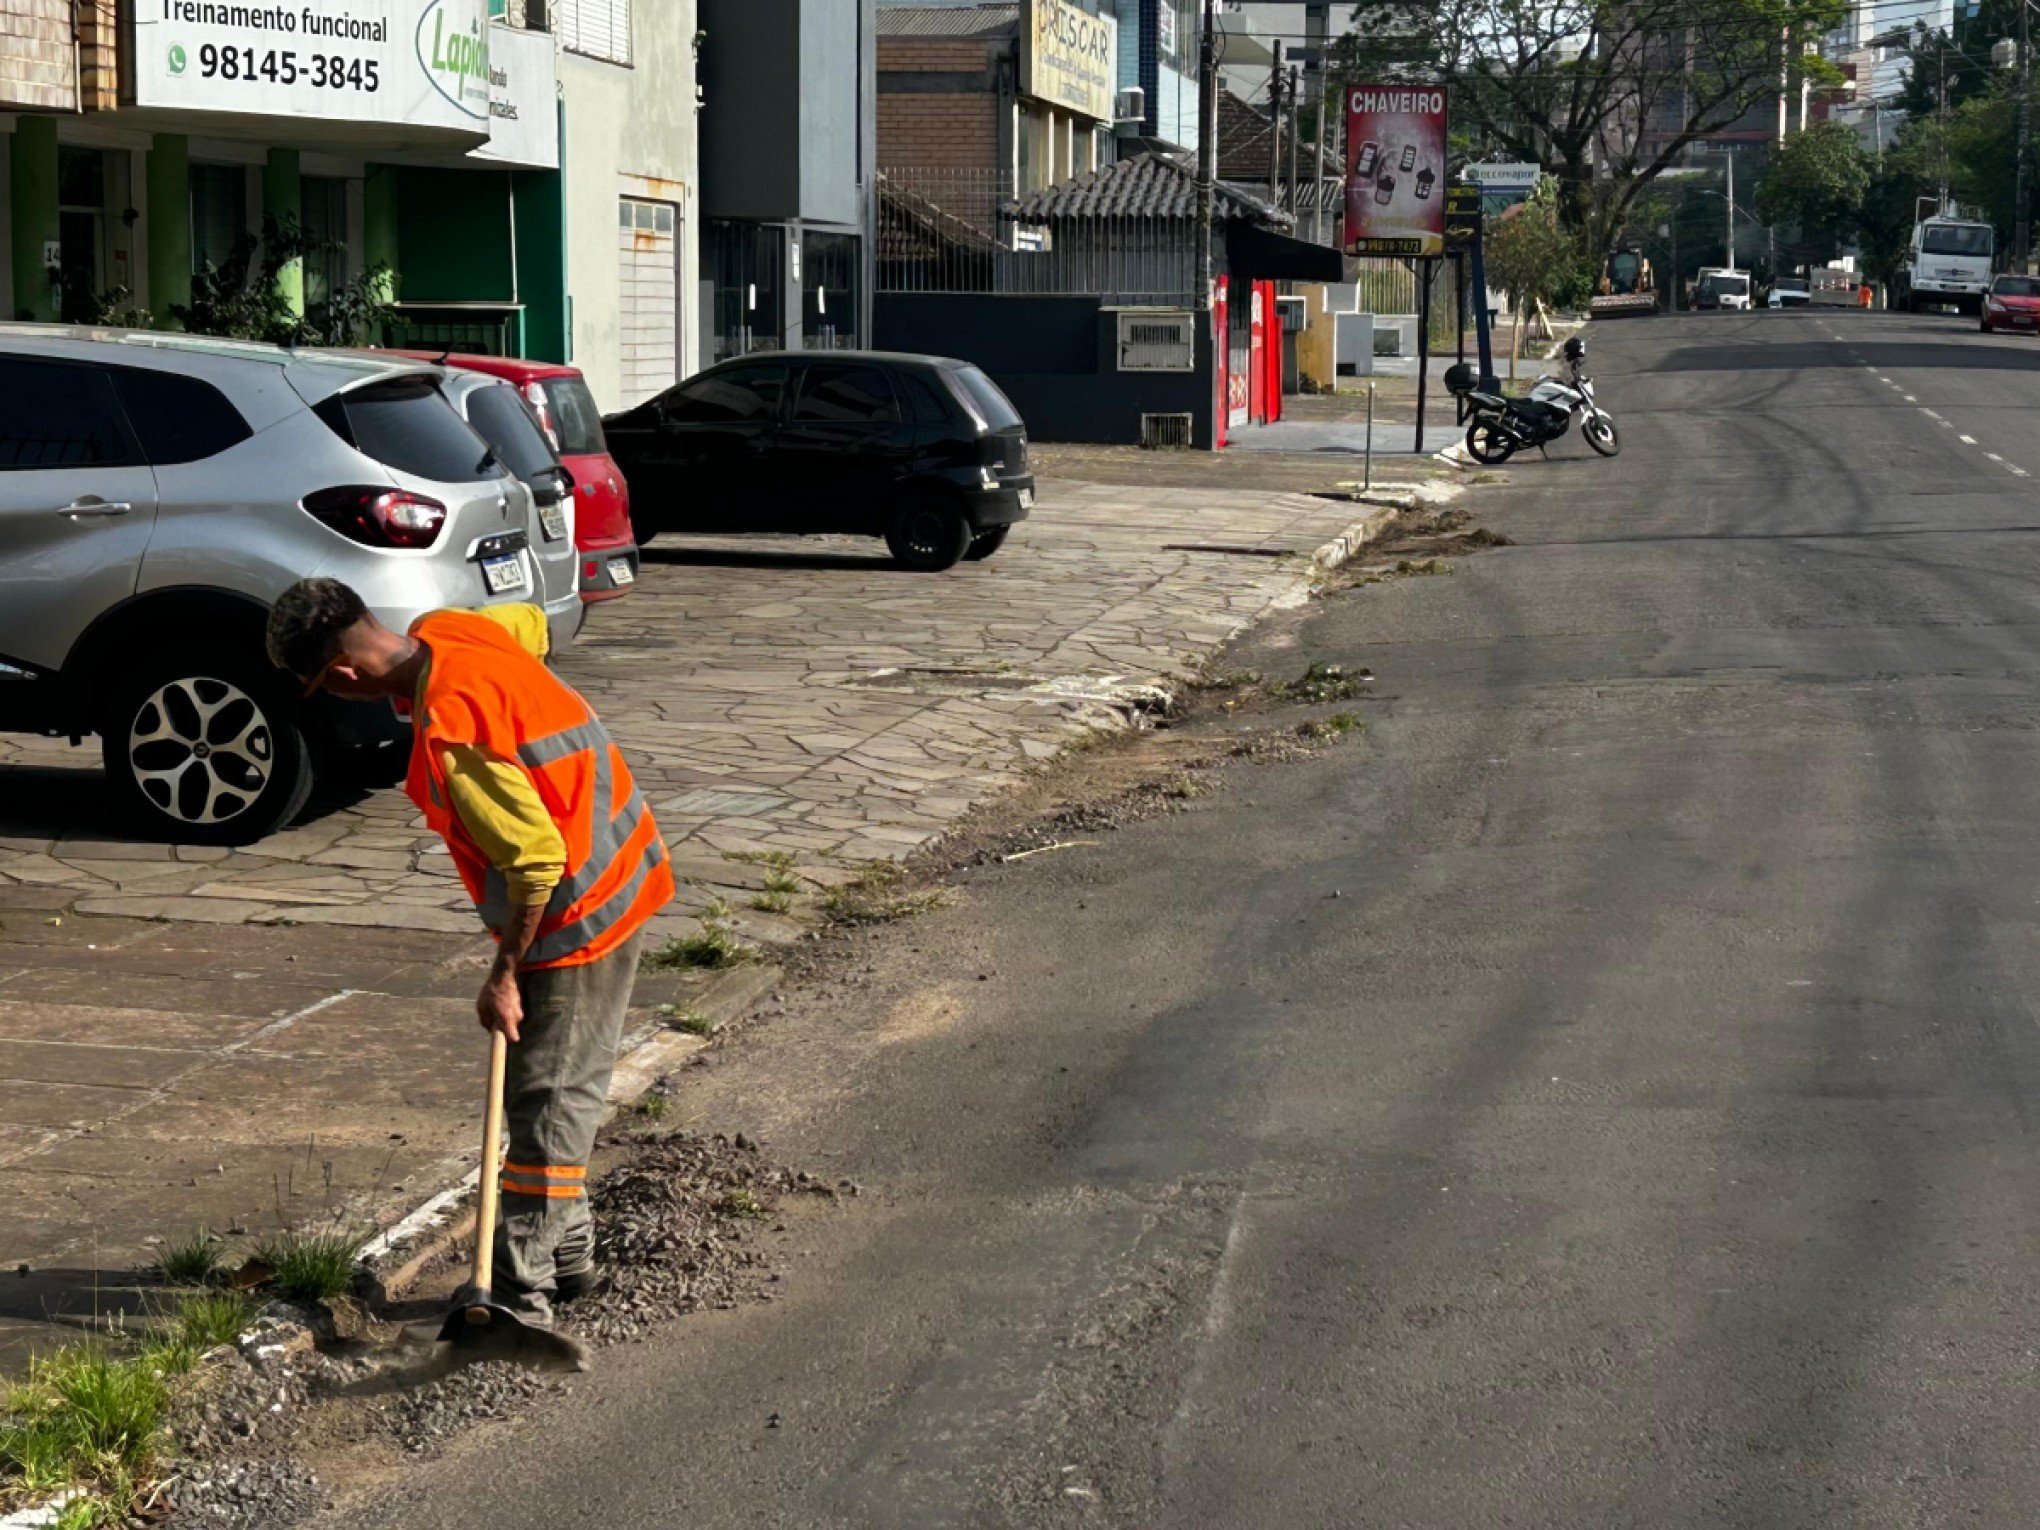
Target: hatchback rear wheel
x=928 y=531
x=204 y=747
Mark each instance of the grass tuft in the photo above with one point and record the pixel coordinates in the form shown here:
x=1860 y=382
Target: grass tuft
x=191 y=1261
x=877 y=897
x=310 y=1267
x=83 y=1417
x=714 y=946
x=208 y=1319
x=771 y=902
x=741 y=1203
x=780 y=859
x=1321 y=683
x=1329 y=727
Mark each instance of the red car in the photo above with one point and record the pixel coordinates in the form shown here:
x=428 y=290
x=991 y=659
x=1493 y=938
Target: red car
x=566 y=411
x=2013 y=302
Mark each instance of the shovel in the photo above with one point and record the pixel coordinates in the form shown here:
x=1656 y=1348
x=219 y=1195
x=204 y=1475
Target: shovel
x=478 y=1327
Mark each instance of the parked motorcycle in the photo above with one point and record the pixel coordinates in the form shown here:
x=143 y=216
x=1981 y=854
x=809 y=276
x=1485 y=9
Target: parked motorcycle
x=1497 y=427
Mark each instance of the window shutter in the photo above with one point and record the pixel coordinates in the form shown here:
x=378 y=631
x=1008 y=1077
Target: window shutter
x=597 y=28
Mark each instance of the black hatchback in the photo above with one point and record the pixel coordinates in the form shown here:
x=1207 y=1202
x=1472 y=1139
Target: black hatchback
x=921 y=450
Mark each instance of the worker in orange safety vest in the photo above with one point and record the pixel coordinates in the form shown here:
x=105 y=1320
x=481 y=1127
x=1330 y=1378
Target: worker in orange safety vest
x=513 y=769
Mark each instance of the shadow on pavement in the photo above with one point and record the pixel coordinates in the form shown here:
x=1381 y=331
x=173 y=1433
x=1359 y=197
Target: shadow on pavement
x=49 y=802
x=729 y=557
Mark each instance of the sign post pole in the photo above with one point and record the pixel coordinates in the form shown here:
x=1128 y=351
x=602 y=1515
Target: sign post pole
x=1425 y=265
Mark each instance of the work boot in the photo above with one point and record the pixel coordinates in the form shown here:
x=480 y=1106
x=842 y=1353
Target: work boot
x=570 y=1284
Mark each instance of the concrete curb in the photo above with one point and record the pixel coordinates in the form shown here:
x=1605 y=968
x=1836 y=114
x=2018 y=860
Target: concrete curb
x=1342 y=548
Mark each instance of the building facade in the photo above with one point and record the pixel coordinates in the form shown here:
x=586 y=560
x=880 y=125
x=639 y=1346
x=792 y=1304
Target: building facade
x=523 y=174
x=789 y=172
x=1028 y=91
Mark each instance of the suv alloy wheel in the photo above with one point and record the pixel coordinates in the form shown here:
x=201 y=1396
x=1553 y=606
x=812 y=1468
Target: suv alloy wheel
x=204 y=746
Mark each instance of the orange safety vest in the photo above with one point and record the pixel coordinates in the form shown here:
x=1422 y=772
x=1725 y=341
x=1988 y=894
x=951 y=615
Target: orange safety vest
x=483 y=688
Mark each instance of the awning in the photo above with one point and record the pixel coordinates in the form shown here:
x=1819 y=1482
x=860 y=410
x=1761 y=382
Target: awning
x=1259 y=254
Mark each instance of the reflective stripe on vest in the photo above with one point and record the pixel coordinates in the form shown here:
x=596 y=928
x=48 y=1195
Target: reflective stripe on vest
x=607 y=839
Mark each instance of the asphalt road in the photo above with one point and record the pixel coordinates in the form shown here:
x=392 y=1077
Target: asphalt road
x=1643 y=1135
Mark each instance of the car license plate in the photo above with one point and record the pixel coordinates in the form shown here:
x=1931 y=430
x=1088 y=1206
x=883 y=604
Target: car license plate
x=620 y=571
x=552 y=519
x=503 y=574
x=1026 y=499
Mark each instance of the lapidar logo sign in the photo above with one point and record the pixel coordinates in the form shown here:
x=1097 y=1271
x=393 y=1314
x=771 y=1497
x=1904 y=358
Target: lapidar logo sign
x=422 y=63
x=456 y=60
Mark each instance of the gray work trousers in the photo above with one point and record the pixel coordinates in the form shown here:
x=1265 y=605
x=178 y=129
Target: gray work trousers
x=555 y=1093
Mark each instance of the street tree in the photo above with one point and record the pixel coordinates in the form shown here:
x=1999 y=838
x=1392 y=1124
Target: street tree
x=1604 y=94
x=1530 y=255
x=1816 y=183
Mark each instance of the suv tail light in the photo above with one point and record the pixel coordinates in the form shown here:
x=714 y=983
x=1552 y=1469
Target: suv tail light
x=541 y=406
x=378 y=517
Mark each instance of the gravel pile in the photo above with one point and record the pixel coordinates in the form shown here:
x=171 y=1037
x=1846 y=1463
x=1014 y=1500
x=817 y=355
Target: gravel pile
x=265 y=1494
x=673 y=1230
x=423 y=1420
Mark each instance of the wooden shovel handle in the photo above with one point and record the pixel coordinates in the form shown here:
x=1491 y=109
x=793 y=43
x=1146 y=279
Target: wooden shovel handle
x=492 y=1159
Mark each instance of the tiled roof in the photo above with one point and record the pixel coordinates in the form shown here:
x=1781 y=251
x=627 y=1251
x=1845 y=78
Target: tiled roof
x=1242 y=140
x=1149 y=185
x=988 y=22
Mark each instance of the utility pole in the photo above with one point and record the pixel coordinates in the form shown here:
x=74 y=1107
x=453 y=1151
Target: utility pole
x=1730 y=157
x=1207 y=149
x=1275 y=129
x=1293 y=81
x=2022 y=217
x=1324 y=123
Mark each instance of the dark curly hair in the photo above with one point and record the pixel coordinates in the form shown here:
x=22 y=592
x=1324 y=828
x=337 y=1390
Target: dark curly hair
x=305 y=626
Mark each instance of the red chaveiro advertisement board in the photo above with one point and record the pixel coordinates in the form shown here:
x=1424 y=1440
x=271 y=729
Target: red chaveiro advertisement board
x=1395 y=170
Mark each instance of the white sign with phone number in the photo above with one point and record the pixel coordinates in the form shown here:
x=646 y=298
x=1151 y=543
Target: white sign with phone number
x=424 y=63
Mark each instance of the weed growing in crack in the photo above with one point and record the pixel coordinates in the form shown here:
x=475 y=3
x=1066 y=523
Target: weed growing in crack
x=692 y=1021
x=1322 y=683
x=1322 y=728
x=876 y=897
x=742 y=1203
x=309 y=1266
x=714 y=946
x=778 y=859
x=771 y=902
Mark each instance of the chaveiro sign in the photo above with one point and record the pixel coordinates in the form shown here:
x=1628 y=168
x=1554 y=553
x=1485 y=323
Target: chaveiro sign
x=420 y=63
x=1395 y=170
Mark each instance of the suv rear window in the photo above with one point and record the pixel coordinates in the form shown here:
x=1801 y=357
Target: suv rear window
x=407 y=424
x=179 y=419
x=575 y=419
x=500 y=418
x=985 y=398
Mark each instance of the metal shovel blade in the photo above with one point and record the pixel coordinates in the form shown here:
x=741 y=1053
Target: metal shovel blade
x=479 y=1329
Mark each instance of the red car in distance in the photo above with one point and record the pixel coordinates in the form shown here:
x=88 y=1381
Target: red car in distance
x=566 y=411
x=2013 y=303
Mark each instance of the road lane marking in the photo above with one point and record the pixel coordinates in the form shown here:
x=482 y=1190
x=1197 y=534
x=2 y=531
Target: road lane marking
x=1967 y=440
x=1930 y=414
x=1910 y=399
x=1994 y=456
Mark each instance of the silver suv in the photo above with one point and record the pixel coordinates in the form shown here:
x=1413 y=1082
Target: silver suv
x=158 y=492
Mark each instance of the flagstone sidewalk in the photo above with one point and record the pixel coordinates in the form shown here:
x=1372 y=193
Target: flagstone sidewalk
x=772 y=694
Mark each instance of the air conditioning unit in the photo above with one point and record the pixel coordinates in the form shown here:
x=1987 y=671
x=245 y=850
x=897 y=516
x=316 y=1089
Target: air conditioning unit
x=1130 y=105
x=1157 y=340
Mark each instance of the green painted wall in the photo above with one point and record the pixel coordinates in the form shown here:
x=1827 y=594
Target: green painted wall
x=542 y=263
x=379 y=241
x=169 y=190
x=453 y=227
x=283 y=199
x=32 y=207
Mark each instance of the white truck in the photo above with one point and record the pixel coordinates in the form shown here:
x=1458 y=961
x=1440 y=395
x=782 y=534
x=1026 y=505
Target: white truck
x=1722 y=287
x=1948 y=263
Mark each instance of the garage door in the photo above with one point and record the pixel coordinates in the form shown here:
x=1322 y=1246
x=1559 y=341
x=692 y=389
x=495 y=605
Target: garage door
x=649 y=247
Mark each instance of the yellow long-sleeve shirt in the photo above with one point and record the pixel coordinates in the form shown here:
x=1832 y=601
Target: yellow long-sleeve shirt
x=494 y=798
